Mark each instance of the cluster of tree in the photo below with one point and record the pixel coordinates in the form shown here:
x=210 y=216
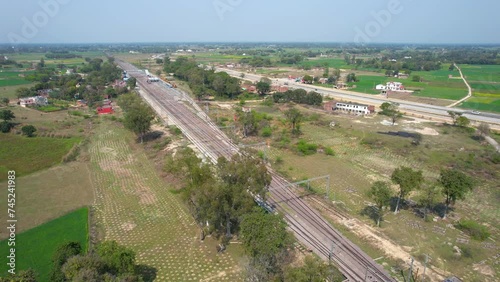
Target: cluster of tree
x=138 y=115
x=6 y=116
x=477 y=56
x=458 y=119
x=419 y=62
x=252 y=122
x=61 y=55
x=291 y=58
x=299 y=96
x=69 y=87
x=257 y=62
x=203 y=82
x=4 y=61
x=351 y=78
x=220 y=194
x=452 y=184
x=109 y=261
x=269 y=245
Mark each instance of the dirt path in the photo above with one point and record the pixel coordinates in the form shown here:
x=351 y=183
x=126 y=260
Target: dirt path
x=381 y=242
x=468 y=86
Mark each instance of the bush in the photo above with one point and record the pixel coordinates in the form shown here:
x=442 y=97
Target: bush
x=475 y=230
x=28 y=130
x=5 y=126
x=306 y=148
x=266 y=132
x=329 y=151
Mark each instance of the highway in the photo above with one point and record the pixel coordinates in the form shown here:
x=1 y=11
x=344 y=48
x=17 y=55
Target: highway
x=419 y=108
x=308 y=226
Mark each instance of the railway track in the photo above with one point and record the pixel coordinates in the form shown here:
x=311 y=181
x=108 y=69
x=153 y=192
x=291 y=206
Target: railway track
x=307 y=224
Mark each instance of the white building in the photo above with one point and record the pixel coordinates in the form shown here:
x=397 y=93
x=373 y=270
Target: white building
x=354 y=108
x=33 y=101
x=392 y=86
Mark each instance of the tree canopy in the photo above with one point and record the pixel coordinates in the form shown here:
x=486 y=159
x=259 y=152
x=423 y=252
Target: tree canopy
x=456 y=185
x=408 y=180
x=381 y=194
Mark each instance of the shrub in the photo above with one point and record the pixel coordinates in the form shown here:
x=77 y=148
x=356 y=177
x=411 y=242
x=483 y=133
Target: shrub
x=28 y=130
x=5 y=126
x=306 y=148
x=475 y=230
x=266 y=132
x=329 y=151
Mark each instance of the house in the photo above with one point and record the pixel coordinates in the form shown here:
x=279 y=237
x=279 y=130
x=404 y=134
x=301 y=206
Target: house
x=106 y=102
x=354 y=108
x=329 y=106
x=392 y=86
x=105 y=110
x=70 y=71
x=44 y=92
x=323 y=80
x=279 y=88
x=33 y=101
x=341 y=85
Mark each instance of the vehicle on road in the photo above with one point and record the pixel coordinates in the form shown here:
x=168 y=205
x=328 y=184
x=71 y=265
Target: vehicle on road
x=475 y=112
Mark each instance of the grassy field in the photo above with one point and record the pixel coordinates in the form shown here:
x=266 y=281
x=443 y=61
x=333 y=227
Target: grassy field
x=10 y=91
x=331 y=62
x=12 y=78
x=27 y=155
x=435 y=84
x=485 y=82
x=35 y=247
x=49 y=194
x=135 y=207
x=365 y=153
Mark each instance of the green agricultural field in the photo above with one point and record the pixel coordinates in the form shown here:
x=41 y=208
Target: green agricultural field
x=485 y=83
x=12 y=78
x=27 y=155
x=481 y=73
x=138 y=209
x=331 y=62
x=35 y=247
x=10 y=91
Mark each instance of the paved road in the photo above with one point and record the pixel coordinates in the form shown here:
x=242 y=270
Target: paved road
x=308 y=226
x=424 y=109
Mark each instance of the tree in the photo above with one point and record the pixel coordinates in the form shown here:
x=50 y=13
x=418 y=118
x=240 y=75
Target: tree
x=391 y=110
x=454 y=116
x=138 y=119
x=452 y=67
x=463 y=121
x=249 y=122
x=5 y=101
x=381 y=194
x=117 y=258
x=240 y=177
x=5 y=126
x=416 y=78
x=408 y=180
x=263 y=87
x=352 y=78
x=455 y=186
x=7 y=115
x=308 y=79
x=60 y=257
x=483 y=129
x=430 y=191
x=266 y=239
x=294 y=117
x=28 y=130
x=313 y=270
x=21 y=276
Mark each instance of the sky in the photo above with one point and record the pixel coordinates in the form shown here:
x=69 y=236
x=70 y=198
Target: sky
x=360 y=21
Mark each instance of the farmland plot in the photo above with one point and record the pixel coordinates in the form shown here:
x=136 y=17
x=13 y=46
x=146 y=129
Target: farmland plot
x=136 y=208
